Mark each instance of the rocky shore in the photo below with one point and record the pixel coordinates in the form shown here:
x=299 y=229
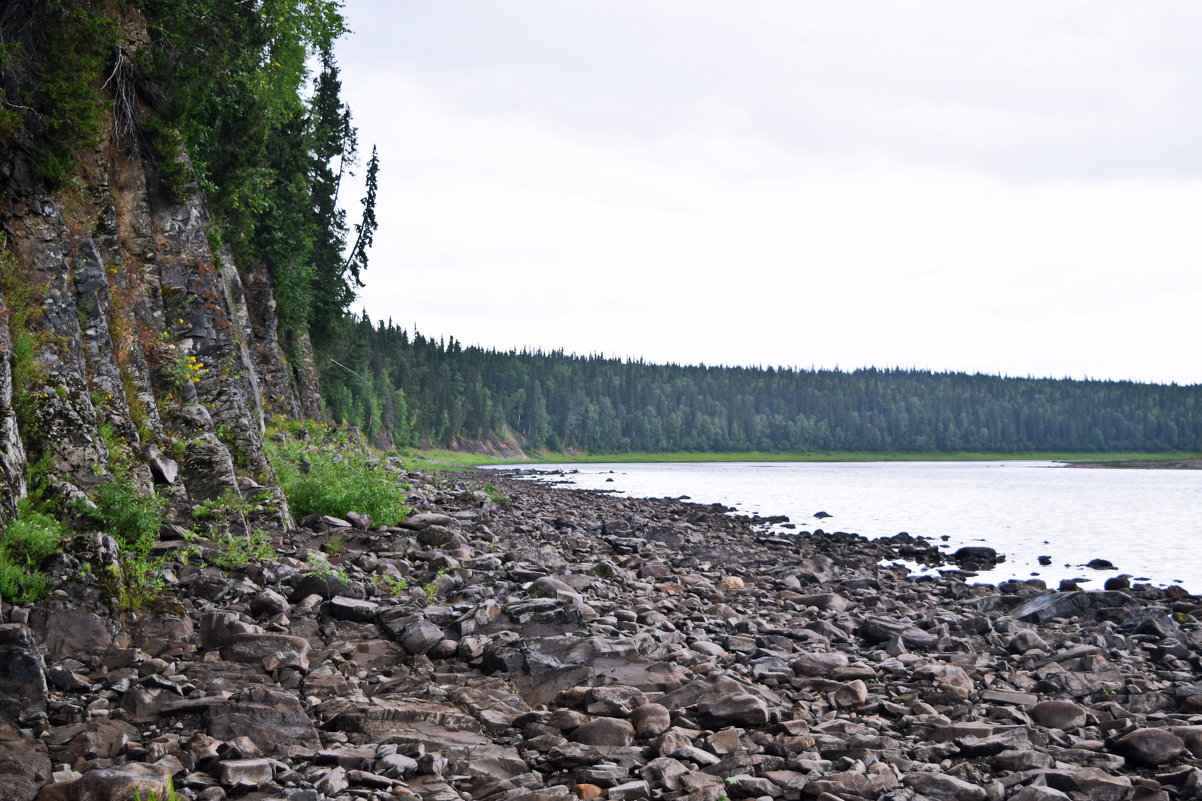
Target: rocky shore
x=529 y=642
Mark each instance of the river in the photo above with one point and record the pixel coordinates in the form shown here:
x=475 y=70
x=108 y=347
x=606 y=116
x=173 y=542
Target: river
x=1147 y=522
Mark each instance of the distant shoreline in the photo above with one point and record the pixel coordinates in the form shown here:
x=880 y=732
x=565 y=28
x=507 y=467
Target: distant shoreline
x=1173 y=460
x=1152 y=464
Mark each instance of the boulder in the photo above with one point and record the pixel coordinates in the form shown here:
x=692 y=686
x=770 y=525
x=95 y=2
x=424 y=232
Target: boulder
x=976 y=557
x=122 y=783
x=413 y=631
x=275 y=721
x=341 y=607
x=245 y=774
x=1149 y=748
x=605 y=731
x=650 y=720
x=941 y=787
x=23 y=686
x=1058 y=714
x=69 y=630
x=949 y=683
x=613 y=700
x=424 y=520
x=738 y=709
x=1070 y=604
x=268 y=603
x=819 y=664
x=24 y=764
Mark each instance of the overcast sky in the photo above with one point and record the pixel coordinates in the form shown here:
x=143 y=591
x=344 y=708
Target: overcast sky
x=1003 y=187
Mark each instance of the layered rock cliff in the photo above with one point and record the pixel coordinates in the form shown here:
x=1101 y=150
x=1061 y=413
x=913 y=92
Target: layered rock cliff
x=124 y=329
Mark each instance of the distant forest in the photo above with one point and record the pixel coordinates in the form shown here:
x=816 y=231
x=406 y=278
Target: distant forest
x=410 y=390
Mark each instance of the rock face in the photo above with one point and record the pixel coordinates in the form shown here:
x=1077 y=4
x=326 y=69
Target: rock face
x=577 y=645
x=115 y=295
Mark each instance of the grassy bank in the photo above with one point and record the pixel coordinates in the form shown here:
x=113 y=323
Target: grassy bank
x=444 y=457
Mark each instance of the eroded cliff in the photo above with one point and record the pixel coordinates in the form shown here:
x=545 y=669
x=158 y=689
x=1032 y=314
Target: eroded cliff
x=127 y=337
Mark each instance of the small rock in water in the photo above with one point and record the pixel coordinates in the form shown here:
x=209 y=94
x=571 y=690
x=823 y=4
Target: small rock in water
x=1122 y=582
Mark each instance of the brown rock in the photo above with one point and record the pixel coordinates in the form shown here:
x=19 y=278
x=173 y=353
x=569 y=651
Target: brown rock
x=949 y=683
x=1026 y=640
x=827 y=601
x=1035 y=792
x=650 y=720
x=1149 y=748
x=613 y=700
x=1058 y=714
x=853 y=693
x=24 y=764
x=738 y=709
x=254 y=647
x=426 y=519
x=268 y=603
x=123 y=783
x=244 y=773
x=941 y=787
x=604 y=731
x=275 y=721
x=819 y=664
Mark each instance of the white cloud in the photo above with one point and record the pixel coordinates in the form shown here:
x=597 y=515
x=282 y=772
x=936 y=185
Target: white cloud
x=971 y=186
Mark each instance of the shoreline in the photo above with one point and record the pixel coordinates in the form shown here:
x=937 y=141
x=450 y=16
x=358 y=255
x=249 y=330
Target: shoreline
x=1012 y=560
x=513 y=641
x=470 y=459
x=1154 y=464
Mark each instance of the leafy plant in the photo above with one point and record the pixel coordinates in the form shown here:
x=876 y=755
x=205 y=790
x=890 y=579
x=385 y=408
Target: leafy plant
x=325 y=482
x=319 y=567
x=431 y=587
x=133 y=517
x=68 y=46
x=494 y=494
x=229 y=501
x=25 y=543
x=236 y=550
x=181 y=368
x=137 y=582
x=393 y=585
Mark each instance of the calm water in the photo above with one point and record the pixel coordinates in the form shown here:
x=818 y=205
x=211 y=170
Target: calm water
x=1147 y=522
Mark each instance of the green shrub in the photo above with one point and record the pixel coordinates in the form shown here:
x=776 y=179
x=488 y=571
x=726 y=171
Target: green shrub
x=20 y=584
x=230 y=502
x=131 y=516
x=494 y=494
x=392 y=584
x=335 y=484
x=319 y=567
x=137 y=582
x=236 y=550
x=25 y=543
